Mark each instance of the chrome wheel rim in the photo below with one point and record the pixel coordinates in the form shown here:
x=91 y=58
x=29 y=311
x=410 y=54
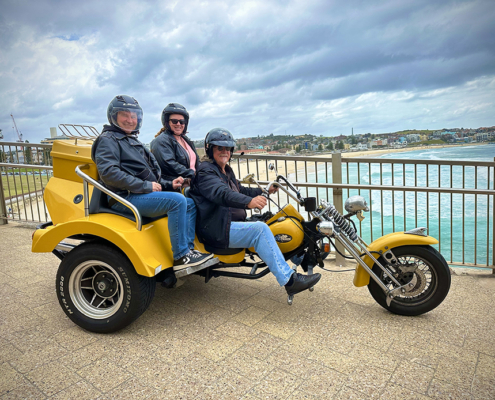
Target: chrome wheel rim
x=96 y=289
x=420 y=277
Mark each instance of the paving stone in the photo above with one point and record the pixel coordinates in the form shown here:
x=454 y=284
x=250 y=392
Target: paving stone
x=104 y=375
x=238 y=330
x=369 y=381
x=49 y=351
x=458 y=372
x=323 y=383
x=483 y=388
x=251 y=315
x=277 y=384
x=52 y=378
x=228 y=386
x=247 y=365
x=413 y=376
x=12 y=383
x=282 y=330
x=8 y=351
x=339 y=362
x=262 y=346
x=394 y=391
x=444 y=390
x=131 y=389
x=78 y=391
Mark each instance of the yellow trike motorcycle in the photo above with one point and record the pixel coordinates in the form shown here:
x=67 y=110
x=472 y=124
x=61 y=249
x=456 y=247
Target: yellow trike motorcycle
x=110 y=260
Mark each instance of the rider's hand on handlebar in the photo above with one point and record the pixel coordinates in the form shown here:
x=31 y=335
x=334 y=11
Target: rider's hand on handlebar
x=257 y=202
x=177 y=182
x=156 y=187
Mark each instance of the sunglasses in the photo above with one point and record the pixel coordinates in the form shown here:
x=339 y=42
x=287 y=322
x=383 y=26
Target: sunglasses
x=177 y=121
x=223 y=148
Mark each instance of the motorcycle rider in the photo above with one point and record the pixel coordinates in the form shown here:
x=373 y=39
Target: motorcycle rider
x=222 y=202
x=173 y=150
x=128 y=169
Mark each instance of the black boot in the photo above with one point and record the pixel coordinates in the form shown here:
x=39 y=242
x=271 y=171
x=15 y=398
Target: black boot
x=301 y=282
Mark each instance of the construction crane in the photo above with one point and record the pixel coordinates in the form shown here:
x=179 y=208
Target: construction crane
x=19 y=134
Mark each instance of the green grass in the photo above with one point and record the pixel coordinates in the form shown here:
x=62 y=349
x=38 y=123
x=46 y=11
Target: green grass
x=23 y=184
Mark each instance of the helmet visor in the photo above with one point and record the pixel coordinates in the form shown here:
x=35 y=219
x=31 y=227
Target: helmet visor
x=223 y=143
x=128 y=119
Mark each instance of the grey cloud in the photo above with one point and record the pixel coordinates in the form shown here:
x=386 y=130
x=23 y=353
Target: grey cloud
x=258 y=67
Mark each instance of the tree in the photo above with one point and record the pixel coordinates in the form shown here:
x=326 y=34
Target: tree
x=353 y=140
x=28 y=155
x=320 y=147
x=330 y=146
x=340 y=145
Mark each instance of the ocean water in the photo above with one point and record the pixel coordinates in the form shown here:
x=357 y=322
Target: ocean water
x=466 y=221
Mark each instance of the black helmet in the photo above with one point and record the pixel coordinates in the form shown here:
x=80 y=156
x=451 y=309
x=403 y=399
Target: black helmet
x=124 y=103
x=174 y=108
x=218 y=137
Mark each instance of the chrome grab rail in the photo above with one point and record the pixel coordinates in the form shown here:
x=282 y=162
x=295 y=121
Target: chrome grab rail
x=86 y=179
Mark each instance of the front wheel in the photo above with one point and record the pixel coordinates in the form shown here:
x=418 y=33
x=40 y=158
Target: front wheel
x=99 y=289
x=425 y=272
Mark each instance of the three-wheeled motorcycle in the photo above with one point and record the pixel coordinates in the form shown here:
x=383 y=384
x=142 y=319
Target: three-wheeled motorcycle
x=109 y=260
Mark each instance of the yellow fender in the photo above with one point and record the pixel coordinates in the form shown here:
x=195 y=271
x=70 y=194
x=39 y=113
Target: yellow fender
x=149 y=250
x=385 y=243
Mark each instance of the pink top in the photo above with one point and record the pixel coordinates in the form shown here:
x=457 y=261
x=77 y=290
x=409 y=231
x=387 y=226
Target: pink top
x=190 y=151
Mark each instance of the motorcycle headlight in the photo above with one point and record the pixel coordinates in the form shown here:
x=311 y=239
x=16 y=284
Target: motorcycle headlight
x=325 y=227
x=355 y=204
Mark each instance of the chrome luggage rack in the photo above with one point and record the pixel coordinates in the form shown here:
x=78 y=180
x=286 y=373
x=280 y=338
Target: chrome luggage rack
x=84 y=132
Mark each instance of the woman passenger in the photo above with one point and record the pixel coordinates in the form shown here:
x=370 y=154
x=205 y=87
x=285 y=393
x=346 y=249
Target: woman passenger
x=173 y=150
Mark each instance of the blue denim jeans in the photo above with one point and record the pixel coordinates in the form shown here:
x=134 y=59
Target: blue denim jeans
x=259 y=236
x=181 y=213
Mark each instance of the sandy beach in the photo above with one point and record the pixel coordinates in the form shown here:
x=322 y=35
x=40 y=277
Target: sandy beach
x=289 y=167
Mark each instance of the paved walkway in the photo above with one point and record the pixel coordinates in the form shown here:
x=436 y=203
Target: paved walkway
x=232 y=339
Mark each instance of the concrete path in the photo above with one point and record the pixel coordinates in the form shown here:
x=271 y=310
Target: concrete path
x=233 y=339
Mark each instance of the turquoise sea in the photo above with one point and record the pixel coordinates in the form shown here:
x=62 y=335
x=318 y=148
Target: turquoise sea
x=467 y=219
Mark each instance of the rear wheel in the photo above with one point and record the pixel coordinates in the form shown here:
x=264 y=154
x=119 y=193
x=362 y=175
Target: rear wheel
x=425 y=272
x=99 y=289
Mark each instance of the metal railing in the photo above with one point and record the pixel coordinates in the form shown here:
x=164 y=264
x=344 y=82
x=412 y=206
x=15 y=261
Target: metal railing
x=25 y=170
x=453 y=199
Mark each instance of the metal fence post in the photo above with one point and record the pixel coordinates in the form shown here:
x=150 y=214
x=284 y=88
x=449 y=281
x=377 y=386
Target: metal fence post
x=3 y=206
x=337 y=199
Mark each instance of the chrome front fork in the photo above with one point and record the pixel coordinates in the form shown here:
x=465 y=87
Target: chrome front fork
x=351 y=248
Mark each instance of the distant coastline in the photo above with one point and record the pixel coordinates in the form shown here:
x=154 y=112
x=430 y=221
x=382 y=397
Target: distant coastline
x=374 y=153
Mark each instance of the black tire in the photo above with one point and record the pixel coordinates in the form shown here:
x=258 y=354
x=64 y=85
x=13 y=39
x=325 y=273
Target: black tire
x=99 y=289
x=431 y=281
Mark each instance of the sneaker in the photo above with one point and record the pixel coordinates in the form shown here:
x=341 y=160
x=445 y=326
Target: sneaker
x=302 y=282
x=190 y=260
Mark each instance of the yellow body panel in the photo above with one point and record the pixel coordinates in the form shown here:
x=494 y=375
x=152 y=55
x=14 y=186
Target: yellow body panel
x=230 y=259
x=147 y=249
x=385 y=243
x=67 y=155
x=290 y=226
x=59 y=197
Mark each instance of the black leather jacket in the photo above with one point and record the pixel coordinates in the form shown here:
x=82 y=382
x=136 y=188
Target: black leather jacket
x=172 y=157
x=124 y=164
x=215 y=200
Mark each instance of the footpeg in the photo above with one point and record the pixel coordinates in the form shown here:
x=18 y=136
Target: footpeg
x=196 y=268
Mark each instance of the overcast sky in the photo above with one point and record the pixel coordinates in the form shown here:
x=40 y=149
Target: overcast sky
x=253 y=67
